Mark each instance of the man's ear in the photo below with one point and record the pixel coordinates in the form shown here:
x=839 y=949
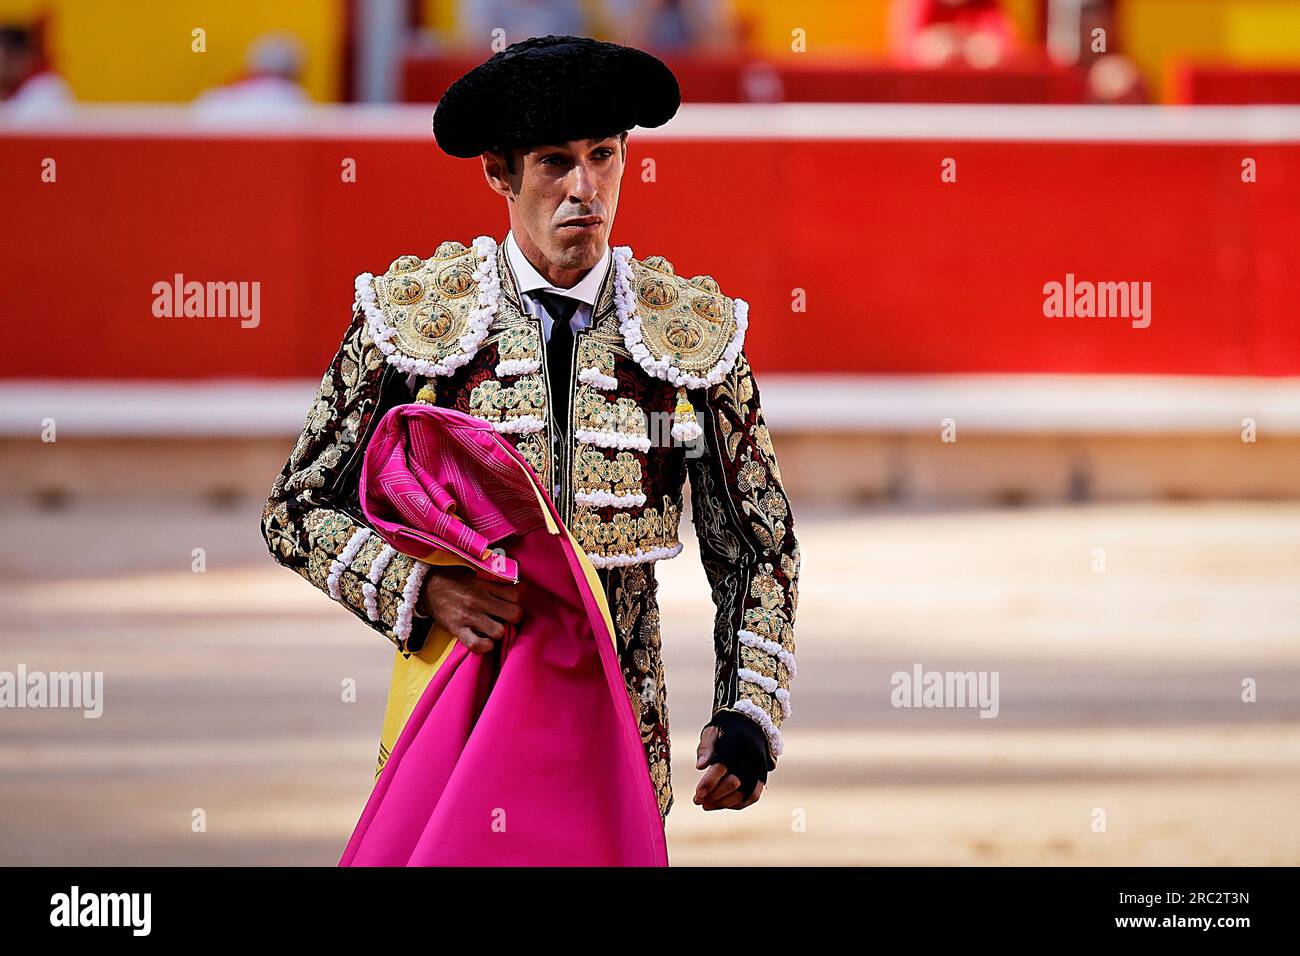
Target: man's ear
x=496 y=174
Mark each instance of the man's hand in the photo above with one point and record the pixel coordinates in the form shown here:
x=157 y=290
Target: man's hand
x=719 y=789
x=473 y=609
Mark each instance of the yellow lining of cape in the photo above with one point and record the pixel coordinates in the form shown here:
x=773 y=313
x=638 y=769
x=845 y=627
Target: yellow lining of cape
x=412 y=673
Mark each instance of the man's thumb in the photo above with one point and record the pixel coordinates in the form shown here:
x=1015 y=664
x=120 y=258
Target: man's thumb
x=704 y=752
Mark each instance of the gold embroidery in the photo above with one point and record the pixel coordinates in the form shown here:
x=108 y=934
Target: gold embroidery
x=688 y=321
x=594 y=412
x=592 y=353
x=533 y=448
x=770 y=623
x=494 y=402
x=519 y=343
x=428 y=302
x=595 y=471
x=625 y=533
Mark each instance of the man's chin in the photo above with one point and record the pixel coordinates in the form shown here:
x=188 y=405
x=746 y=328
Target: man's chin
x=580 y=251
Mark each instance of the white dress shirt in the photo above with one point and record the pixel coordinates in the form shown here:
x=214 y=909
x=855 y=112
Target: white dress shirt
x=530 y=280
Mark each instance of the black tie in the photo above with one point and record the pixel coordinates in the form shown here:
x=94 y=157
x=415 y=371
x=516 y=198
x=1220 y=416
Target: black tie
x=559 y=352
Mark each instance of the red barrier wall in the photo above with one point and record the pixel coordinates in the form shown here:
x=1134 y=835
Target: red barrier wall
x=740 y=79
x=902 y=273
x=1233 y=84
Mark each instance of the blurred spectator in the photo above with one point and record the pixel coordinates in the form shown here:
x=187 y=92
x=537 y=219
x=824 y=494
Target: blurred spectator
x=937 y=33
x=271 y=83
x=1112 y=77
x=29 y=86
x=519 y=19
x=671 y=26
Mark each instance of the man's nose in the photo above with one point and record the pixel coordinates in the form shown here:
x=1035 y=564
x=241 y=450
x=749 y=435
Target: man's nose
x=582 y=184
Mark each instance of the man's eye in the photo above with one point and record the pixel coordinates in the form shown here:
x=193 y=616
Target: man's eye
x=552 y=160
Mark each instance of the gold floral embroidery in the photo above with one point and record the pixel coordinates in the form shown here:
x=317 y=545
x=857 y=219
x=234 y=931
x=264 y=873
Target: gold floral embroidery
x=533 y=448
x=751 y=476
x=519 y=343
x=494 y=402
x=625 y=533
x=596 y=470
x=592 y=353
x=760 y=581
x=623 y=416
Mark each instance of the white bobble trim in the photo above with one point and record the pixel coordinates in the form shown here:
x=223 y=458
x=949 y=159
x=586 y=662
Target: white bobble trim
x=754 y=677
x=629 y=323
x=602 y=499
x=636 y=557
x=489 y=290
x=764 y=720
x=344 y=560
x=597 y=379
x=610 y=439
x=771 y=647
x=520 y=425
x=371 y=588
x=410 y=594
x=517 y=366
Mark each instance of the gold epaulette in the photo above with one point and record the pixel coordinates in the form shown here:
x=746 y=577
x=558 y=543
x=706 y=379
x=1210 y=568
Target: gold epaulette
x=684 y=331
x=429 y=316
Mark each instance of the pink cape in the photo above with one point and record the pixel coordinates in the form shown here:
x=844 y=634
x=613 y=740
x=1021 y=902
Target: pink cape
x=530 y=754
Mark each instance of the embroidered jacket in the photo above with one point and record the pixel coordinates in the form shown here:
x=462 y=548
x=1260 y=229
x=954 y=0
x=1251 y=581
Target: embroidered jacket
x=660 y=389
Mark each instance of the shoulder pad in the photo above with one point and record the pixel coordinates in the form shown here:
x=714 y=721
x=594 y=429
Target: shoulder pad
x=429 y=316
x=684 y=331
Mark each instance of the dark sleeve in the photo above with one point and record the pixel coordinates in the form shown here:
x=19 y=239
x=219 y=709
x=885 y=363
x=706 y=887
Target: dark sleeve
x=313 y=522
x=751 y=558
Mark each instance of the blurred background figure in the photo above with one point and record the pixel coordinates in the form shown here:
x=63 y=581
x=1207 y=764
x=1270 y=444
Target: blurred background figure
x=29 y=84
x=519 y=19
x=1112 y=76
x=672 y=26
x=938 y=33
x=271 y=83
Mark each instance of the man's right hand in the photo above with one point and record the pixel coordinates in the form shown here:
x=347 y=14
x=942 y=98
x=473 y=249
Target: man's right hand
x=473 y=609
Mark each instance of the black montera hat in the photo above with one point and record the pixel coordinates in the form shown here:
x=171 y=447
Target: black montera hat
x=554 y=89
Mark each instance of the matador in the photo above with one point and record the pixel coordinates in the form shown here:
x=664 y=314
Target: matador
x=613 y=376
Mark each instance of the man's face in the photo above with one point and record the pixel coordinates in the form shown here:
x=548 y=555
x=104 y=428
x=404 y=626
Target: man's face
x=563 y=197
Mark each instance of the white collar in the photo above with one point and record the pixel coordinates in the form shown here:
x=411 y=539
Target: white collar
x=530 y=280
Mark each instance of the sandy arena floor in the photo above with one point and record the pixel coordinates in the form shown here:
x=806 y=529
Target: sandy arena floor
x=1120 y=692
